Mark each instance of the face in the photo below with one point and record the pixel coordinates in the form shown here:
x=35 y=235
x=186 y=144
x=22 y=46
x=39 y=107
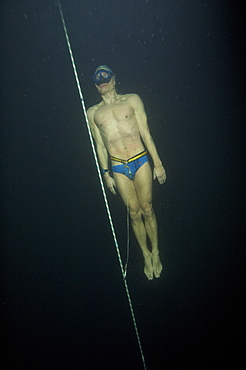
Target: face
x=104 y=81
x=106 y=87
x=101 y=75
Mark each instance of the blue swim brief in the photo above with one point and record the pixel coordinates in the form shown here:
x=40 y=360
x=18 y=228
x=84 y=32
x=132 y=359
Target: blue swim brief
x=130 y=166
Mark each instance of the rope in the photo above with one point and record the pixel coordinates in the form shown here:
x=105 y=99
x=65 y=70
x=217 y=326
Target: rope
x=123 y=271
x=128 y=240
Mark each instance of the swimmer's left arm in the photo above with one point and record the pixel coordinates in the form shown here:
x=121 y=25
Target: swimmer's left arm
x=141 y=117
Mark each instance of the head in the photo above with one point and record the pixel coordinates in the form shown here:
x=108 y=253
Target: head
x=104 y=79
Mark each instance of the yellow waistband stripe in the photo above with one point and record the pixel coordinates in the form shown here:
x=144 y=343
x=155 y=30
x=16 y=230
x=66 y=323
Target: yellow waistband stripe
x=137 y=156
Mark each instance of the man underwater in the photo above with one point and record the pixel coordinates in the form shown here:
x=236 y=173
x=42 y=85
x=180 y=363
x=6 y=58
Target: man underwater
x=120 y=130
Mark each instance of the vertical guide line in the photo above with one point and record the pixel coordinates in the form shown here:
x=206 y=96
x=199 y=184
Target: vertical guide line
x=101 y=182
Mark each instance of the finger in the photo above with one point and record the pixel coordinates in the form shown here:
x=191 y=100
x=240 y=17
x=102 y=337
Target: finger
x=113 y=189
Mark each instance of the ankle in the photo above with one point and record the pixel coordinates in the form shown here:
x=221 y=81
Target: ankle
x=155 y=252
x=147 y=255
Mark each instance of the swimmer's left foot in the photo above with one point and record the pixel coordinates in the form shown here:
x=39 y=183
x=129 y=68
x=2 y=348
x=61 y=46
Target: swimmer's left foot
x=148 y=267
x=157 y=266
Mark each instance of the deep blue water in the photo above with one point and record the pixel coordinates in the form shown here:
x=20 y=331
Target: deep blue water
x=63 y=301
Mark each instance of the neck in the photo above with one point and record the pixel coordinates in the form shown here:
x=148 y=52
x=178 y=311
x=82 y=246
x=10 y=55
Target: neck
x=109 y=97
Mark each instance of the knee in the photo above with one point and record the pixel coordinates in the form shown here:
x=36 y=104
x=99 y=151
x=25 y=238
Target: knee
x=135 y=214
x=147 y=210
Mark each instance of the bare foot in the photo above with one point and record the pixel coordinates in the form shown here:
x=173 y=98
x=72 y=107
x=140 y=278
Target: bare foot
x=148 y=267
x=157 y=266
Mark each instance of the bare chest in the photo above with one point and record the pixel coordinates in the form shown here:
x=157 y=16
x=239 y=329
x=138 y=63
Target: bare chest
x=119 y=129
x=115 y=114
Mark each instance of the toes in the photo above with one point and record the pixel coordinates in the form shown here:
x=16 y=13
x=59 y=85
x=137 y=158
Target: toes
x=157 y=275
x=148 y=273
x=157 y=267
x=148 y=268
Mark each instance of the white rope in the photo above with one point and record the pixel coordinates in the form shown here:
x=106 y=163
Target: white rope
x=123 y=271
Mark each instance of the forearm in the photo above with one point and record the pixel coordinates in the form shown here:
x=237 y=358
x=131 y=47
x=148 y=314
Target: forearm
x=103 y=160
x=159 y=171
x=102 y=157
x=150 y=145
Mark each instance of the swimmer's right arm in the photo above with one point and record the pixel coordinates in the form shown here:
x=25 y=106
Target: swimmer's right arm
x=110 y=182
x=101 y=150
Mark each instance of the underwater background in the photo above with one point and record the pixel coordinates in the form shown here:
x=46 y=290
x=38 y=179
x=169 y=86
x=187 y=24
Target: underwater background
x=63 y=302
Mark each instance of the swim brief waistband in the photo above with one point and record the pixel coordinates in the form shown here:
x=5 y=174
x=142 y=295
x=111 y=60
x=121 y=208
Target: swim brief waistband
x=130 y=159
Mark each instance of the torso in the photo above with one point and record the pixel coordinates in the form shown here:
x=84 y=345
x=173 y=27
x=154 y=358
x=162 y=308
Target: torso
x=118 y=127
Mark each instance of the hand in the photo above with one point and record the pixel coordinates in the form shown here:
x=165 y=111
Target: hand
x=110 y=183
x=159 y=173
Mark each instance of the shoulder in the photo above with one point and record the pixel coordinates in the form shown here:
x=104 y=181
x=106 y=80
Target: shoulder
x=92 y=110
x=128 y=96
x=135 y=101
x=134 y=98
x=131 y=98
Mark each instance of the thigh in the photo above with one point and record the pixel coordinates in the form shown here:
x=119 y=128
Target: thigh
x=143 y=184
x=127 y=191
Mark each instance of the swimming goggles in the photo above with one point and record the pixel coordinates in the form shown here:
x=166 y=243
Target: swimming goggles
x=102 y=76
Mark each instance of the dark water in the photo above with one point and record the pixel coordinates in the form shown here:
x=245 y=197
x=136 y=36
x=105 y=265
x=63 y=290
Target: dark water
x=63 y=300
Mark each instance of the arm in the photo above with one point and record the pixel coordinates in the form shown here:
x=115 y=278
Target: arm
x=101 y=150
x=144 y=132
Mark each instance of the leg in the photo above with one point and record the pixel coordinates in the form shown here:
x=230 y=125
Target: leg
x=143 y=186
x=127 y=191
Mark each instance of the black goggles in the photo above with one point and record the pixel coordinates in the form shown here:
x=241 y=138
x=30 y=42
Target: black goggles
x=103 y=75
